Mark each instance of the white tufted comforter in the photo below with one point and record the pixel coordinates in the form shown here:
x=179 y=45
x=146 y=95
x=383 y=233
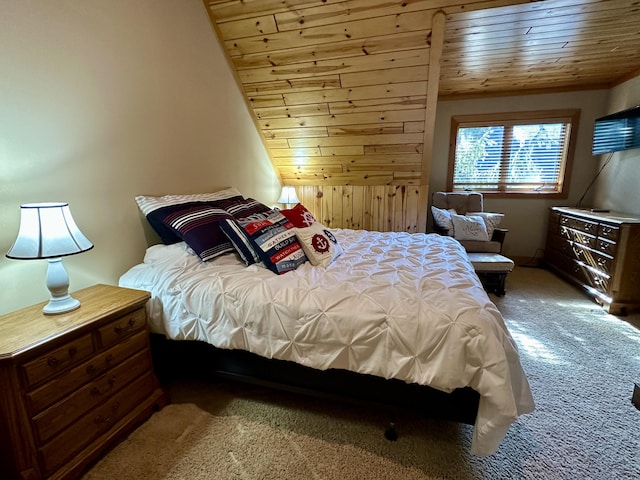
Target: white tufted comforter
x=395 y=305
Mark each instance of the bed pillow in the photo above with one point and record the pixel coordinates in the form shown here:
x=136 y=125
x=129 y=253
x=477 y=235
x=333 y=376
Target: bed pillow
x=491 y=220
x=243 y=208
x=155 y=208
x=467 y=227
x=442 y=218
x=199 y=226
x=274 y=239
x=299 y=216
x=319 y=244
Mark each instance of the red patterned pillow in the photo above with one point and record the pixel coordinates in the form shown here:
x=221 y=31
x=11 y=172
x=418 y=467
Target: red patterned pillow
x=299 y=216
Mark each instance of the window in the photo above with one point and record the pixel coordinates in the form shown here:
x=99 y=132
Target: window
x=520 y=153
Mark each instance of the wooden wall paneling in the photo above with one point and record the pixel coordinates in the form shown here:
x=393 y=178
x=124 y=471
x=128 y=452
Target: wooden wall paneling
x=358 y=207
x=327 y=207
x=356 y=64
x=374 y=105
x=395 y=90
x=364 y=140
x=280 y=87
x=249 y=27
x=306 y=9
x=346 y=48
x=291 y=111
x=377 y=207
x=377 y=118
x=359 y=29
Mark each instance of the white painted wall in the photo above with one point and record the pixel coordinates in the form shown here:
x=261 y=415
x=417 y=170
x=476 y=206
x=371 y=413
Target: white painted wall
x=103 y=100
x=526 y=219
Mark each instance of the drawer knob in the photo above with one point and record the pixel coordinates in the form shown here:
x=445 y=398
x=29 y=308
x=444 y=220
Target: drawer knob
x=130 y=324
x=100 y=420
x=98 y=391
x=92 y=369
x=53 y=362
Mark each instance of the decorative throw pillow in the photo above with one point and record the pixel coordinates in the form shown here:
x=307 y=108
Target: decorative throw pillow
x=199 y=226
x=469 y=228
x=442 y=218
x=319 y=244
x=155 y=209
x=299 y=216
x=275 y=241
x=491 y=220
x=239 y=238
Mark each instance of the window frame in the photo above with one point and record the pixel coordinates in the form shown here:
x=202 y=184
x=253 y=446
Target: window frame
x=570 y=116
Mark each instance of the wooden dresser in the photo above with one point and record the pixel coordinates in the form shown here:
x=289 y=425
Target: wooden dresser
x=72 y=385
x=599 y=252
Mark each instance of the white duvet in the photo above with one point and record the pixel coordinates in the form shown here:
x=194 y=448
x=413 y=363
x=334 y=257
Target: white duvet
x=395 y=305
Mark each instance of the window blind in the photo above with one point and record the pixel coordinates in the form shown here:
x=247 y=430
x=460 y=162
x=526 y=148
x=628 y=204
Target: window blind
x=524 y=157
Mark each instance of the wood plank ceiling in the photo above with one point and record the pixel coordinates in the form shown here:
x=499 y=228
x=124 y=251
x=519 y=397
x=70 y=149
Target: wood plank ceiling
x=345 y=92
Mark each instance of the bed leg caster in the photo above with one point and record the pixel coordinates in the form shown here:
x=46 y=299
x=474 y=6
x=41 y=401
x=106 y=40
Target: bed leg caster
x=390 y=433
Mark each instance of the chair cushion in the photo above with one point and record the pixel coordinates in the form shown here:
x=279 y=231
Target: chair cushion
x=481 y=246
x=462 y=202
x=490 y=262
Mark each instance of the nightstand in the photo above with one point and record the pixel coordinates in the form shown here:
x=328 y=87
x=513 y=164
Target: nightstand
x=73 y=385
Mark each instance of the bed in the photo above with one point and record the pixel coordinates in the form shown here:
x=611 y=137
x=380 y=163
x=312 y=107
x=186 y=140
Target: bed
x=393 y=307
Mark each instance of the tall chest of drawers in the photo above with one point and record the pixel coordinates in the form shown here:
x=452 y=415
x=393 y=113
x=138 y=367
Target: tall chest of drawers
x=72 y=385
x=599 y=252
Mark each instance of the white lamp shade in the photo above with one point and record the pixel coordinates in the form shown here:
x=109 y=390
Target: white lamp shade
x=47 y=230
x=288 y=195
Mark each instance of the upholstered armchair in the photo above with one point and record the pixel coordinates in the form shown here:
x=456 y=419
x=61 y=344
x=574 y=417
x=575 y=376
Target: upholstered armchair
x=462 y=216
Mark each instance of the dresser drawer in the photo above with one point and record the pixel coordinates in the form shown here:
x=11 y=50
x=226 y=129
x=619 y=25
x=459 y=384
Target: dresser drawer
x=60 y=387
x=609 y=232
x=592 y=258
x=578 y=236
x=55 y=453
x=58 y=416
x=579 y=224
x=57 y=360
x=596 y=280
x=607 y=247
x=122 y=327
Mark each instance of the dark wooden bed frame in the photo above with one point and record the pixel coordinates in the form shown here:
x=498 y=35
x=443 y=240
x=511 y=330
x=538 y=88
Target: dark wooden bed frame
x=173 y=358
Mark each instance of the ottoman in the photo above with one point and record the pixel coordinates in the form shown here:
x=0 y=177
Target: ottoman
x=492 y=269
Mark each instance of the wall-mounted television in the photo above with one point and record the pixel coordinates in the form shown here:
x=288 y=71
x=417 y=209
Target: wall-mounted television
x=617 y=132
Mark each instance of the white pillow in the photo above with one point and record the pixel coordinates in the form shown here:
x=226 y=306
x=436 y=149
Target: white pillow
x=442 y=218
x=491 y=220
x=467 y=227
x=319 y=244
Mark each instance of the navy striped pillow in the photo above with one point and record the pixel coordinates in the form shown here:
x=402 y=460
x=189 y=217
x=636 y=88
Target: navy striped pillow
x=243 y=208
x=199 y=226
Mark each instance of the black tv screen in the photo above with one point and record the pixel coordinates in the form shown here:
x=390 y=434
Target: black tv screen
x=617 y=132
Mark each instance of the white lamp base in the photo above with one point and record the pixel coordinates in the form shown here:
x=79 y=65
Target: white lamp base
x=58 y=285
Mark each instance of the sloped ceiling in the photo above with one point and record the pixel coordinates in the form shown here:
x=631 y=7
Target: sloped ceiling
x=345 y=92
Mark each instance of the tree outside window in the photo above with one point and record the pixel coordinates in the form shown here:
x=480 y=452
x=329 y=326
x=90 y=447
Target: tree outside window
x=524 y=153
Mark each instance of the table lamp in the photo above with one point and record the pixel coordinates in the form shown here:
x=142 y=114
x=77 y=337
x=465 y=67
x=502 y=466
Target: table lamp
x=288 y=196
x=47 y=230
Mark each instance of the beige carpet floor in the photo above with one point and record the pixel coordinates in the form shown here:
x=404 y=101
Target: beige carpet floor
x=580 y=361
